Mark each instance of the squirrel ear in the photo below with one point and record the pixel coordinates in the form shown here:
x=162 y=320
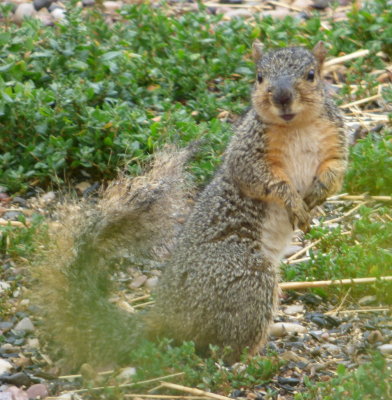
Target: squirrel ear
x=319 y=51
x=257 y=50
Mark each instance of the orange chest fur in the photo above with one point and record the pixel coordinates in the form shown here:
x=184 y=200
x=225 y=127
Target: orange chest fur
x=296 y=154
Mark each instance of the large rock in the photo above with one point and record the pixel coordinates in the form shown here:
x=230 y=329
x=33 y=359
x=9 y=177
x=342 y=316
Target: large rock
x=24 y=325
x=24 y=10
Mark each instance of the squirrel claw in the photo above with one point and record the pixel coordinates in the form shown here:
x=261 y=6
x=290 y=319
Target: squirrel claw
x=299 y=216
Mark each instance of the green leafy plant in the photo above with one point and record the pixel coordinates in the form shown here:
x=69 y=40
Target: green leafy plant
x=370 y=168
x=369 y=381
x=82 y=98
x=364 y=252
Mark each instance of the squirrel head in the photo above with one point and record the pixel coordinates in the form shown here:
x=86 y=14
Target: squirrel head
x=289 y=89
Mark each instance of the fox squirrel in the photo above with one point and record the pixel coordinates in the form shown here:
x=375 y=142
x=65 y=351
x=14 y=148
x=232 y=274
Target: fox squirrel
x=220 y=276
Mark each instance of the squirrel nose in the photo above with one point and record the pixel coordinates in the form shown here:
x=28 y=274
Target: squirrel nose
x=283 y=97
x=282 y=91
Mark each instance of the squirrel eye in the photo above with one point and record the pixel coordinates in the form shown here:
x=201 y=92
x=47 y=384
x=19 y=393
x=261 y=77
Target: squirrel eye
x=259 y=77
x=310 y=76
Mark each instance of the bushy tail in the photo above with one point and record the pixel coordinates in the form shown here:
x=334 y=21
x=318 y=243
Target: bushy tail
x=138 y=218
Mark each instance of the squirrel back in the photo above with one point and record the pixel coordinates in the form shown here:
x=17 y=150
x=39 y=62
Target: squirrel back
x=219 y=285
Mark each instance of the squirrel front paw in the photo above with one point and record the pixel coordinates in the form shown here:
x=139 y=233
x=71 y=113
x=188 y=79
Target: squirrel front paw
x=299 y=215
x=316 y=194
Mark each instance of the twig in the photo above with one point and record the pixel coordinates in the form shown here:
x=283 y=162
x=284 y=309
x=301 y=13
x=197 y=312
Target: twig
x=293 y=259
x=4 y=222
x=154 y=389
x=376 y=309
x=361 y=101
x=80 y=376
x=144 y=297
x=124 y=384
x=337 y=196
x=330 y=221
x=338 y=308
x=142 y=305
x=337 y=282
x=365 y=197
x=347 y=57
x=195 y=391
x=299 y=260
x=304 y=250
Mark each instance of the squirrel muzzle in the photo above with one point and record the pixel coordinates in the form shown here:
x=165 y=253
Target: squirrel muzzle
x=282 y=95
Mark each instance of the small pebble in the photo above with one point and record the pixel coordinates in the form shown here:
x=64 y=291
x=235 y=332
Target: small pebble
x=237 y=393
x=38 y=390
x=5 y=326
x=4 y=198
x=331 y=348
x=21 y=362
x=316 y=351
x=280 y=329
x=375 y=336
x=32 y=343
x=127 y=373
x=69 y=396
x=303 y=4
x=52 y=7
x=58 y=14
x=25 y=302
x=82 y=186
x=294 y=309
x=138 y=282
x=112 y=5
x=17 y=394
x=49 y=196
x=24 y=325
x=38 y=4
x=367 y=300
x=88 y=3
x=5 y=366
x=19 y=200
x=385 y=348
x=45 y=17
x=321 y=4
x=19 y=379
x=88 y=372
x=152 y=282
x=4 y=286
x=12 y=215
x=291 y=356
x=126 y=307
x=324 y=336
x=288 y=381
x=9 y=348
